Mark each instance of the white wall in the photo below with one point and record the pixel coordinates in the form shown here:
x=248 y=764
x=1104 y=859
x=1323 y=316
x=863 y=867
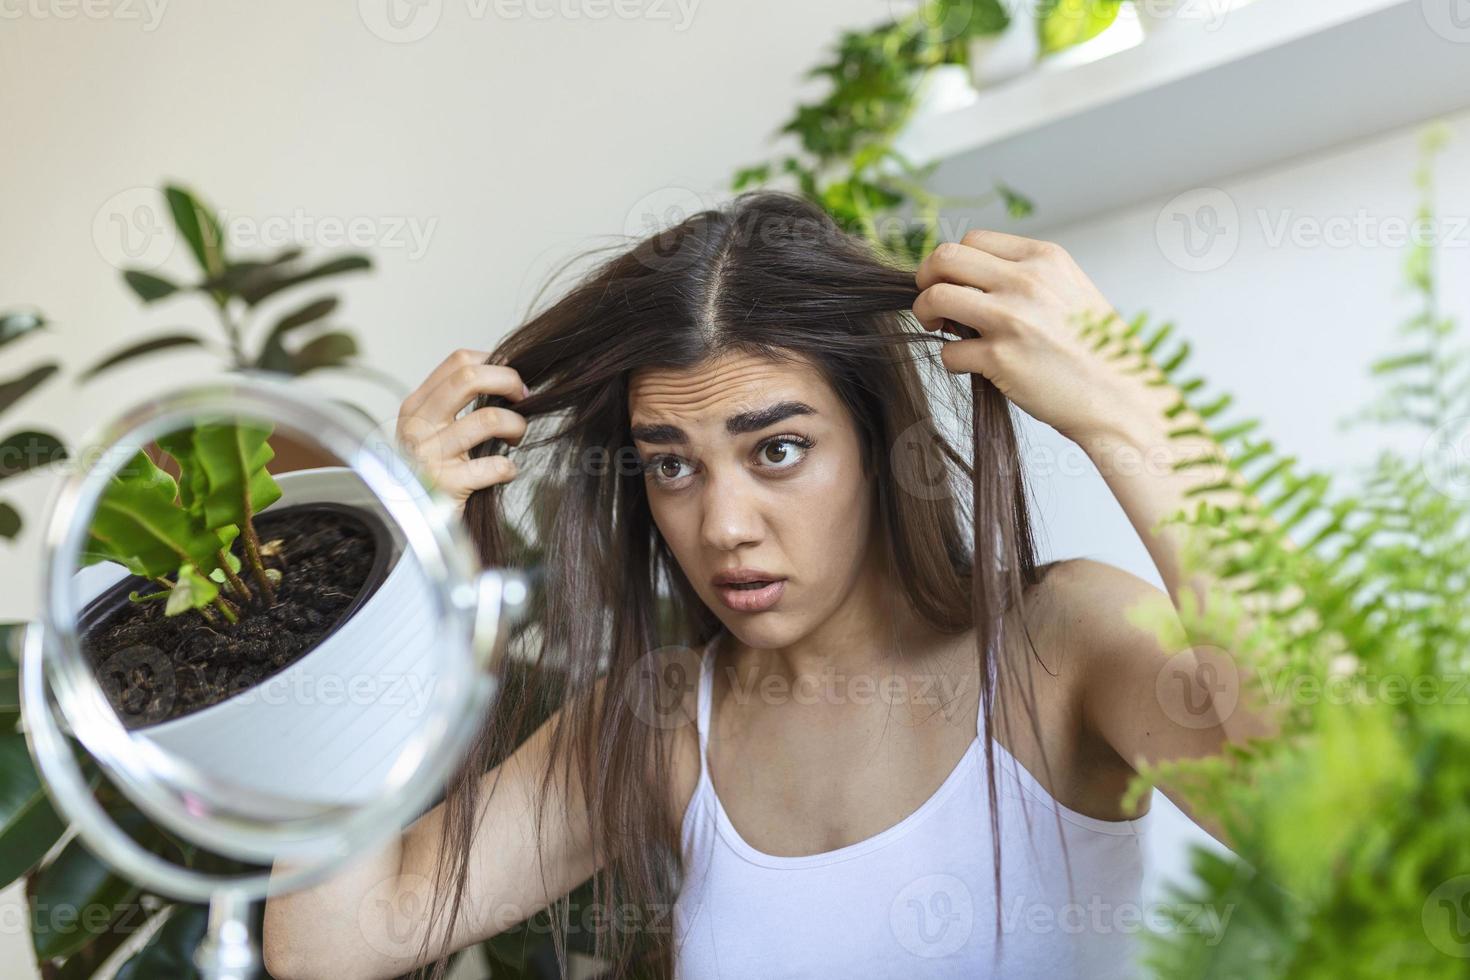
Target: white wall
x=508 y=142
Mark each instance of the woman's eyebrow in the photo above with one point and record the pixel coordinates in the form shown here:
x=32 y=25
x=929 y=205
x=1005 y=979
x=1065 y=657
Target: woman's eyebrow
x=752 y=421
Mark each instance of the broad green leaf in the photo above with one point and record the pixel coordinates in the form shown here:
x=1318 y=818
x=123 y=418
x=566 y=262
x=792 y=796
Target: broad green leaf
x=192 y=486
x=138 y=523
x=17 y=324
x=21 y=452
x=28 y=825
x=140 y=349
x=191 y=591
x=233 y=457
x=76 y=898
x=197 y=224
x=15 y=389
x=328 y=350
x=273 y=353
x=268 y=282
x=148 y=287
x=169 y=952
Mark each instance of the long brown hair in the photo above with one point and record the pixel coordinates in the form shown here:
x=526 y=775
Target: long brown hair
x=772 y=275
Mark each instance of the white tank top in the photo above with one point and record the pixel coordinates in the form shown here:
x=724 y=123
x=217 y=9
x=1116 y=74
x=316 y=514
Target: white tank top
x=917 y=899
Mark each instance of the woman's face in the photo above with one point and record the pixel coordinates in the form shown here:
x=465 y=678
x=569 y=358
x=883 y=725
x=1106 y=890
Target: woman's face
x=754 y=465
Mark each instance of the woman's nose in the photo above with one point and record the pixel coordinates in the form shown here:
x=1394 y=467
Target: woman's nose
x=731 y=514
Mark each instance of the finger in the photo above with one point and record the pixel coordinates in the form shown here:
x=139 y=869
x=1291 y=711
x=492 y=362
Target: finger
x=466 y=383
x=975 y=356
x=1012 y=247
x=964 y=305
x=463 y=357
x=462 y=477
x=478 y=426
x=965 y=266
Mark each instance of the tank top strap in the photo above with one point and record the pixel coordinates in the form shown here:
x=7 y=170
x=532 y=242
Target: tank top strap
x=704 y=700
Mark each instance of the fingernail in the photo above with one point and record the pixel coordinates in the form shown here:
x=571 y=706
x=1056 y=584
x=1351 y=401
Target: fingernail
x=525 y=390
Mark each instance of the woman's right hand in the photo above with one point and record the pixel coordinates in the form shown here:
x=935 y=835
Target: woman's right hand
x=429 y=431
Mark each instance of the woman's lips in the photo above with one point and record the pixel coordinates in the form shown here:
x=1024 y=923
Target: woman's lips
x=750 y=599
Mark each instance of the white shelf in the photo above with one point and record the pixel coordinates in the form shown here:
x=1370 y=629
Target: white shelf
x=1279 y=79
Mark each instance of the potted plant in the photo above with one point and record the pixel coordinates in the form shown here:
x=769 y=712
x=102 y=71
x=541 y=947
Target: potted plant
x=219 y=609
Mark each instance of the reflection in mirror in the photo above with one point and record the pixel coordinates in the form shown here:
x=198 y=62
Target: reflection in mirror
x=267 y=634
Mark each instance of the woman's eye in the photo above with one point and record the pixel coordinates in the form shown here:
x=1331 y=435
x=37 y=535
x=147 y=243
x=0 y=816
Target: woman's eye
x=666 y=469
x=783 y=452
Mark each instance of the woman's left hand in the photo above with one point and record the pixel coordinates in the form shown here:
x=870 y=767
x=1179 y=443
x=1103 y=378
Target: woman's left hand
x=1029 y=301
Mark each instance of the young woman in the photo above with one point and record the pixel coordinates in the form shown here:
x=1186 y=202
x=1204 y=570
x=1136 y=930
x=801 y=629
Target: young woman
x=824 y=715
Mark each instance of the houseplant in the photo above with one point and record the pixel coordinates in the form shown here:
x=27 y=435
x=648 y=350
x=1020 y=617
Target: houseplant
x=846 y=160
x=1352 y=826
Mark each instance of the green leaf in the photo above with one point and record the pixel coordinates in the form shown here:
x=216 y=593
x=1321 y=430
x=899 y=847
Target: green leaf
x=191 y=591
x=138 y=524
x=169 y=952
x=1062 y=24
x=257 y=289
x=147 y=286
x=14 y=390
x=273 y=354
x=197 y=224
x=328 y=350
x=234 y=457
x=76 y=899
x=140 y=349
x=28 y=450
x=29 y=827
x=15 y=325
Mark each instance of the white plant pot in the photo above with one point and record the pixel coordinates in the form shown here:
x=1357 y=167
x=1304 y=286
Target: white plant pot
x=1156 y=16
x=1013 y=52
x=328 y=728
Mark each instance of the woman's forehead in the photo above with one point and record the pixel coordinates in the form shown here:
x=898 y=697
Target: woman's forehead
x=724 y=385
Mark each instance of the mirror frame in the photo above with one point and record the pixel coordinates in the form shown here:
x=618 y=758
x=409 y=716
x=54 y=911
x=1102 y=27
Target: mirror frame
x=473 y=604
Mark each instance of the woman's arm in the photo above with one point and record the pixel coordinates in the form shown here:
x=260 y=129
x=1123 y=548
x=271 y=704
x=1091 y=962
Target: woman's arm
x=1027 y=300
x=370 y=919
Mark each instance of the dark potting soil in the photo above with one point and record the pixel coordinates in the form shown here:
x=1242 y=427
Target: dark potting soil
x=155 y=668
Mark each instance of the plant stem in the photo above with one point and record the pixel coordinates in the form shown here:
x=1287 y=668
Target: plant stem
x=225 y=610
x=252 y=554
x=236 y=583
